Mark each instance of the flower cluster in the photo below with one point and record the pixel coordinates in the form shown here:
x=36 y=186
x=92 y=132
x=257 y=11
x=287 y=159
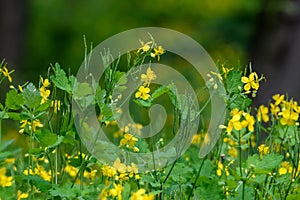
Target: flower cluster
x=239 y=120
x=44 y=92
x=144 y=90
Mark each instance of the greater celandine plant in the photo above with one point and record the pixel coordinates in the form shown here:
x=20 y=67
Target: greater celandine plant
x=256 y=157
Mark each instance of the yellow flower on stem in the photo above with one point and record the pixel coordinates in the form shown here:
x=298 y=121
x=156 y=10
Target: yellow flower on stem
x=45 y=83
x=116 y=191
x=289 y=117
x=145 y=46
x=22 y=195
x=143 y=92
x=285 y=168
x=120 y=167
x=36 y=123
x=263 y=150
x=109 y=171
x=262 y=114
x=251 y=81
x=6 y=73
x=44 y=94
x=225 y=71
x=248 y=122
x=234 y=122
x=141 y=195
x=5 y=181
x=278 y=98
x=274 y=110
x=158 y=51
x=148 y=77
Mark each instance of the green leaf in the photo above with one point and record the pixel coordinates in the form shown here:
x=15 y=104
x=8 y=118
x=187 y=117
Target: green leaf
x=60 y=79
x=3 y=115
x=5 y=144
x=39 y=183
x=35 y=151
x=82 y=89
x=159 y=91
x=142 y=103
x=31 y=96
x=63 y=192
x=13 y=100
x=120 y=78
x=239 y=101
x=233 y=81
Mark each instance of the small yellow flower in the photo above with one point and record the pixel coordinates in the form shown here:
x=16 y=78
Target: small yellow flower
x=109 y=171
x=36 y=123
x=251 y=81
x=120 y=167
x=22 y=195
x=233 y=152
x=44 y=94
x=145 y=46
x=285 y=168
x=262 y=114
x=141 y=195
x=6 y=73
x=234 y=122
x=45 y=83
x=143 y=93
x=158 y=51
x=274 y=110
x=148 y=77
x=263 y=150
x=132 y=170
x=56 y=105
x=278 y=98
x=225 y=71
x=249 y=122
x=116 y=191
x=5 y=181
x=72 y=171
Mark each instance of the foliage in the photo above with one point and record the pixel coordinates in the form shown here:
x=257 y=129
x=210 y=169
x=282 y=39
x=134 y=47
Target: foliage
x=256 y=157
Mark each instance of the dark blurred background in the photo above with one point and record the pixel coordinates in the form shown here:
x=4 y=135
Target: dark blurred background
x=35 y=33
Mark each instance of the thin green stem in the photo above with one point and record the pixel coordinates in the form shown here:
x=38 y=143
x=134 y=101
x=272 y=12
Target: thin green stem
x=197 y=176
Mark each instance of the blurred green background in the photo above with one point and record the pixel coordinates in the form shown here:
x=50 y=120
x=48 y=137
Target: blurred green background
x=54 y=29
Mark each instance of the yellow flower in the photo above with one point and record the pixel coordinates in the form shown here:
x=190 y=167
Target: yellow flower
x=263 y=150
x=5 y=181
x=116 y=191
x=148 y=77
x=44 y=94
x=232 y=152
x=141 y=195
x=20 y=88
x=220 y=169
x=22 y=195
x=132 y=170
x=120 y=167
x=289 y=116
x=158 y=52
x=72 y=171
x=278 y=98
x=90 y=175
x=143 y=93
x=40 y=171
x=10 y=160
x=36 y=123
x=196 y=139
x=249 y=122
x=109 y=171
x=285 y=168
x=225 y=71
x=274 y=110
x=145 y=46
x=6 y=73
x=45 y=83
x=234 y=122
x=262 y=113
x=251 y=81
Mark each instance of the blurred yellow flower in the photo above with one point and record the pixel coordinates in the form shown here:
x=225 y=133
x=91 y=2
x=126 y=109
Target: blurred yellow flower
x=145 y=46
x=116 y=191
x=5 y=181
x=158 y=51
x=22 y=195
x=285 y=168
x=6 y=73
x=141 y=195
x=109 y=171
x=262 y=114
x=148 y=77
x=120 y=167
x=263 y=150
